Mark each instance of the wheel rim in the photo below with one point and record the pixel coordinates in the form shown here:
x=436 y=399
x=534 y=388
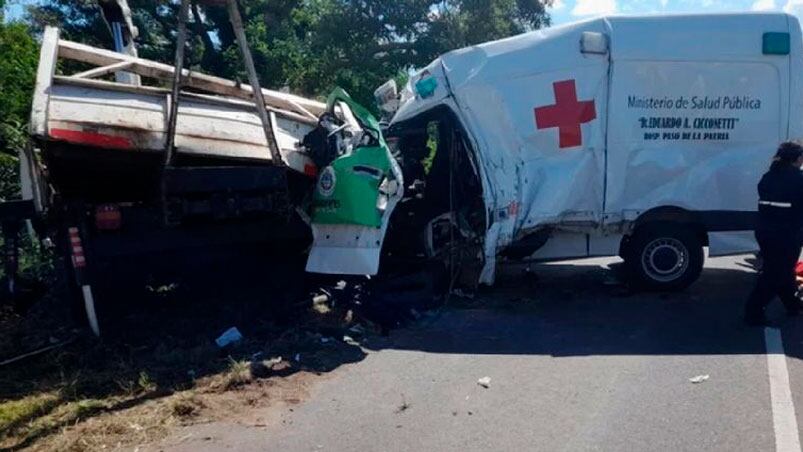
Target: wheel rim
x=665 y=259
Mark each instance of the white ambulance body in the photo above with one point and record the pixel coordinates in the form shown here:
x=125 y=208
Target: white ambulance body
x=636 y=136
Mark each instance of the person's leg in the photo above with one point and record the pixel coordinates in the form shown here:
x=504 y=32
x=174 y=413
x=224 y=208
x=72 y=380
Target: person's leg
x=766 y=283
x=760 y=297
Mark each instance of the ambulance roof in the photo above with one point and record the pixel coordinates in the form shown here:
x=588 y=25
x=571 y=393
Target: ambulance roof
x=680 y=37
x=685 y=37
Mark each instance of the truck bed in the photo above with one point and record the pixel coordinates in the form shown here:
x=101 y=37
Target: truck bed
x=121 y=118
x=100 y=127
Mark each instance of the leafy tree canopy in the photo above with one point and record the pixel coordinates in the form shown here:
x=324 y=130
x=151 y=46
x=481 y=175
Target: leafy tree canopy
x=309 y=46
x=19 y=54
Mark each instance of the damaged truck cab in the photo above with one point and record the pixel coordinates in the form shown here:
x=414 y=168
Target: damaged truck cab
x=642 y=137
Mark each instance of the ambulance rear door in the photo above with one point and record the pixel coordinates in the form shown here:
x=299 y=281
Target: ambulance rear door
x=697 y=108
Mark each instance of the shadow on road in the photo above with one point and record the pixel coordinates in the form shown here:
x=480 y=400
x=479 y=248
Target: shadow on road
x=571 y=311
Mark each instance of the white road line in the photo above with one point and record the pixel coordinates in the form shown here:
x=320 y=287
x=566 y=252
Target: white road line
x=787 y=438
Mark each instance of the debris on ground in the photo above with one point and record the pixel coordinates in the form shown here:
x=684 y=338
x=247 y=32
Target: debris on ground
x=350 y=341
x=404 y=406
x=39 y=351
x=323 y=303
x=485 y=382
x=163 y=289
x=463 y=294
x=699 y=379
x=229 y=337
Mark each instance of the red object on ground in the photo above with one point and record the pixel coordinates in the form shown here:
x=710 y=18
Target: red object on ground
x=799 y=269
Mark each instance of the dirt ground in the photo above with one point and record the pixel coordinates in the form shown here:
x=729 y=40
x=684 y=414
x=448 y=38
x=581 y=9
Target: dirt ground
x=157 y=365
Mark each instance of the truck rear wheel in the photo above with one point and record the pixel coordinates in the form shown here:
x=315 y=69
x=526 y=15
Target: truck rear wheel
x=664 y=257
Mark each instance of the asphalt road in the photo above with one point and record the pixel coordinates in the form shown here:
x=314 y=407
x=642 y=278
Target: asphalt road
x=574 y=365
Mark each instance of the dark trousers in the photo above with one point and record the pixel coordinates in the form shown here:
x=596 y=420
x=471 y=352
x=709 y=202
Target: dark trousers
x=781 y=251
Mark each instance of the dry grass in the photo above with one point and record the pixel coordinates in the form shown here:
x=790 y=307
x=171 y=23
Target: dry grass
x=120 y=409
x=147 y=423
x=131 y=391
x=140 y=413
x=16 y=413
x=187 y=405
x=113 y=430
x=237 y=374
x=37 y=416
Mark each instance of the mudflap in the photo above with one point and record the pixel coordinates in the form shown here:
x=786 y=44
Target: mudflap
x=340 y=249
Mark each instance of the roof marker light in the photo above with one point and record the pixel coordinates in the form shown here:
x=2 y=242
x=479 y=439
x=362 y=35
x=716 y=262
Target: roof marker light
x=777 y=43
x=595 y=43
x=426 y=85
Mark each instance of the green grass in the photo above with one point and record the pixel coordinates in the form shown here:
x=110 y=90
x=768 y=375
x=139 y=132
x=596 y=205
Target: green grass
x=18 y=412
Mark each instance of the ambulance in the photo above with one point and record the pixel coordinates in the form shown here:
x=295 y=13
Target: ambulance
x=635 y=136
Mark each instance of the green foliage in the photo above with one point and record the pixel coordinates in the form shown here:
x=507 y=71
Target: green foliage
x=18 y=59
x=9 y=177
x=309 y=46
x=37 y=262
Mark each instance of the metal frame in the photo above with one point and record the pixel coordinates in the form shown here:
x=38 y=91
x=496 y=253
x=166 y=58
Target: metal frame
x=259 y=99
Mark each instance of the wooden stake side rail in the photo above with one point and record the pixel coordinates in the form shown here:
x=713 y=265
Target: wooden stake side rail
x=108 y=61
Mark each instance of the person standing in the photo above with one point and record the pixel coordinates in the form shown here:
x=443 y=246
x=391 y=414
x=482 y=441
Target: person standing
x=778 y=232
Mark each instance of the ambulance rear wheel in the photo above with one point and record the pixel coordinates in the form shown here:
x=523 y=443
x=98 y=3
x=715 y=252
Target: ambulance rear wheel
x=664 y=257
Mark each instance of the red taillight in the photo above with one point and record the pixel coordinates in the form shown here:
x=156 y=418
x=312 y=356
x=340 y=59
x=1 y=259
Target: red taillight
x=108 y=217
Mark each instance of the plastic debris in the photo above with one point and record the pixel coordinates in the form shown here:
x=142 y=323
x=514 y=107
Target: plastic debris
x=273 y=361
x=163 y=289
x=357 y=329
x=350 y=340
x=485 y=382
x=229 y=337
x=699 y=379
x=297 y=358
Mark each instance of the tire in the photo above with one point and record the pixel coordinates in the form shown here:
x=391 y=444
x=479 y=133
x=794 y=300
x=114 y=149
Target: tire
x=664 y=257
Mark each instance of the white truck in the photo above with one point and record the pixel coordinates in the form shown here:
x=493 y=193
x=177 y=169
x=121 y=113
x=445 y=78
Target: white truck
x=642 y=137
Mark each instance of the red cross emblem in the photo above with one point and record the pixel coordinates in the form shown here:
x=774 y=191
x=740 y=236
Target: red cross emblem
x=567 y=114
